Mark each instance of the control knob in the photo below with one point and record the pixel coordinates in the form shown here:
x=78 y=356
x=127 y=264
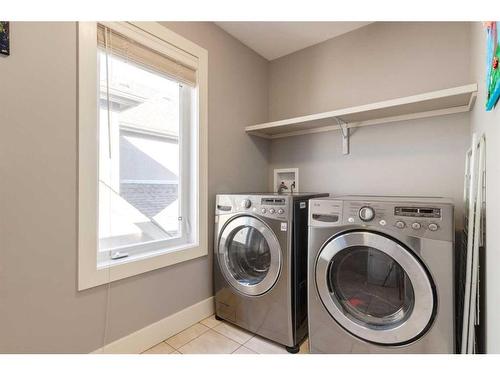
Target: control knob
x=416 y=226
x=366 y=213
x=263 y=210
x=433 y=227
x=272 y=211
x=281 y=211
x=400 y=224
x=246 y=203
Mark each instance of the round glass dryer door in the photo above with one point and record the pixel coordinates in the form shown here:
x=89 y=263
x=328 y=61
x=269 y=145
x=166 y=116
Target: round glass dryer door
x=375 y=288
x=249 y=255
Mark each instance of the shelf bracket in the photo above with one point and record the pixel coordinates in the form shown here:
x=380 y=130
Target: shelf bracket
x=345 y=135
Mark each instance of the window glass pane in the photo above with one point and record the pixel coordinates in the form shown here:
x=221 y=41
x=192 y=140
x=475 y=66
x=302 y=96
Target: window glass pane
x=139 y=155
x=371 y=287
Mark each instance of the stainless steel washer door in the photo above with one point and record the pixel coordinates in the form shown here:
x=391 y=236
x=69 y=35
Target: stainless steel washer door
x=249 y=255
x=375 y=288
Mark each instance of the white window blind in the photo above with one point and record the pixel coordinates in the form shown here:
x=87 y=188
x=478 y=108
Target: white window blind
x=130 y=50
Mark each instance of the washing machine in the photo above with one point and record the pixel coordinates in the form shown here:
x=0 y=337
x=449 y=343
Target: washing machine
x=381 y=275
x=260 y=264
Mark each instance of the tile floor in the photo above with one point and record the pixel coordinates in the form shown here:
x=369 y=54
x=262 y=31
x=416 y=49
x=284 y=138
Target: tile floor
x=211 y=336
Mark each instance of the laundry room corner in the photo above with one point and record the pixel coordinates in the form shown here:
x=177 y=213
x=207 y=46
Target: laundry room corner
x=249 y=187
x=419 y=157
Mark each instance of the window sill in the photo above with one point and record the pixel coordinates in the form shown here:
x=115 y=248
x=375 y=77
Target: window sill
x=104 y=265
x=136 y=265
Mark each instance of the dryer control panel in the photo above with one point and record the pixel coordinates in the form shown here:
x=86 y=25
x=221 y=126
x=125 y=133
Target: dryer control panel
x=419 y=218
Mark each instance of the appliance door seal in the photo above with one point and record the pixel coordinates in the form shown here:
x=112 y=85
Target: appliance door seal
x=375 y=288
x=249 y=255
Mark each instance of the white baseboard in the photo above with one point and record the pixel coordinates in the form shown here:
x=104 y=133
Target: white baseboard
x=145 y=338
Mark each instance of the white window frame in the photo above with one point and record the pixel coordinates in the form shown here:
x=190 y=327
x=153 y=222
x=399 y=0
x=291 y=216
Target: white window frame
x=157 y=37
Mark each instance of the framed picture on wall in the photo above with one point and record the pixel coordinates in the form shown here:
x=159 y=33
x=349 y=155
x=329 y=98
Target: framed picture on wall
x=4 y=38
x=492 y=64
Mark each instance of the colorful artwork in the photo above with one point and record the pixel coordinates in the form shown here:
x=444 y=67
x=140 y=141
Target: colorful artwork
x=4 y=38
x=492 y=60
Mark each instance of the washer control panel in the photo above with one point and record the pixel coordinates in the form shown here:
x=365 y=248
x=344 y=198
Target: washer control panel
x=419 y=219
x=268 y=206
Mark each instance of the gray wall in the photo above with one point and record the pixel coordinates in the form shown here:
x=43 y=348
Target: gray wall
x=488 y=123
x=377 y=62
x=40 y=308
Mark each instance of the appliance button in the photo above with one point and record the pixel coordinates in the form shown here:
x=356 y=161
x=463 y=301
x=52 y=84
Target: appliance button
x=433 y=227
x=416 y=226
x=382 y=222
x=350 y=220
x=366 y=213
x=400 y=224
x=281 y=211
x=272 y=211
x=263 y=210
x=246 y=203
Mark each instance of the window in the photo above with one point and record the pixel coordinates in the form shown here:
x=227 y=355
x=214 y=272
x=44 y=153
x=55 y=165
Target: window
x=142 y=179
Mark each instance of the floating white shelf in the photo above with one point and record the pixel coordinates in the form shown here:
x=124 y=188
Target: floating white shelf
x=435 y=103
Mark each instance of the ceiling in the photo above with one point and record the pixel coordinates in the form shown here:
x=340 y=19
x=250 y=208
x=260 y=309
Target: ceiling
x=275 y=39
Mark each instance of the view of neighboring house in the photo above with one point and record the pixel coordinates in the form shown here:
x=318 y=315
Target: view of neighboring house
x=139 y=154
